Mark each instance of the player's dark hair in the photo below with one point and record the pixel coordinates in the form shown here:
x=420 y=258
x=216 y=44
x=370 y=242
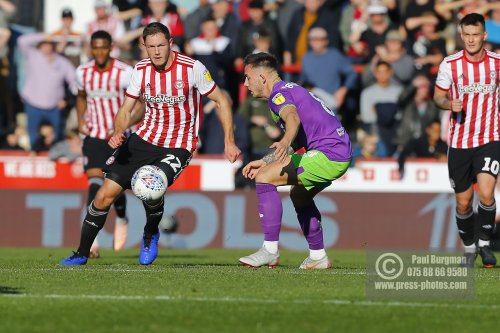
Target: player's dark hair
x=472 y=19
x=101 y=34
x=262 y=60
x=155 y=28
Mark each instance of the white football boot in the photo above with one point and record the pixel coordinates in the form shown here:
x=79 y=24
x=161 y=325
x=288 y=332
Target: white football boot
x=323 y=263
x=261 y=258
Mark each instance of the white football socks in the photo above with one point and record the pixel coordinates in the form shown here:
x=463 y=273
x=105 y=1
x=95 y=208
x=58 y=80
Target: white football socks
x=470 y=248
x=482 y=243
x=271 y=246
x=317 y=254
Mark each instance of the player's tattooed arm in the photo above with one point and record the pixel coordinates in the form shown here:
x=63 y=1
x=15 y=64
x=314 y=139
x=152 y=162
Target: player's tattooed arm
x=270 y=158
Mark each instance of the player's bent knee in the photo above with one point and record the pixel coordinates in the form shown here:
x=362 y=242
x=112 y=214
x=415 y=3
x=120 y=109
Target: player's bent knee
x=464 y=206
x=487 y=199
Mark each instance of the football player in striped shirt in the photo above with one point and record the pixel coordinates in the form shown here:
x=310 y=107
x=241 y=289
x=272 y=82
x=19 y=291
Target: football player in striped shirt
x=171 y=85
x=101 y=87
x=467 y=85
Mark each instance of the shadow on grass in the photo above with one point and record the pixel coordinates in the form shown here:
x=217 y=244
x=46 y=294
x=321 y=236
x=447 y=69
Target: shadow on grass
x=10 y=290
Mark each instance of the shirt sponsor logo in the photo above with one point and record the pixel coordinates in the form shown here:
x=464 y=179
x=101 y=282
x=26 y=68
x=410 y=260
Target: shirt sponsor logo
x=476 y=88
x=278 y=99
x=159 y=99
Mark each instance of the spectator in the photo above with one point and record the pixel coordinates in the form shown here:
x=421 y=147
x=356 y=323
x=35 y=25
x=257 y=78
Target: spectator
x=379 y=105
x=313 y=14
x=211 y=134
x=46 y=74
x=46 y=138
x=429 y=48
x=192 y=22
x=166 y=13
x=226 y=20
x=285 y=12
x=11 y=140
x=428 y=145
x=262 y=42
x=258 y=22
x=7 y=11
x=70 y=148
x=378 y=26
x=7 y=112
x=263 y=130
x=492 y=25
x=68 y=42
x=228 y=26
x=415 y=18
x=106 y=21
x=394 y=53
x=353 y=22
x=213 y=50
x=369 y=146
x=130 y=12
x=418 y=109
x=327 y=68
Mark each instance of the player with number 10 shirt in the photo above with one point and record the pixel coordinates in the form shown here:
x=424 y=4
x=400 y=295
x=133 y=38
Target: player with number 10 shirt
x=467 y=85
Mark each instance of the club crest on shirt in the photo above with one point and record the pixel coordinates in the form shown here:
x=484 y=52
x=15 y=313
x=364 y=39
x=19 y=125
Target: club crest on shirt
x=179 y=84
x=207 y=75
x=278 y=99
x=110 y=160
x=493 y=75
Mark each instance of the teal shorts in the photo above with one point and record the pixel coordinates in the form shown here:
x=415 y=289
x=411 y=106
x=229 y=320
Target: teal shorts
x=314 y=169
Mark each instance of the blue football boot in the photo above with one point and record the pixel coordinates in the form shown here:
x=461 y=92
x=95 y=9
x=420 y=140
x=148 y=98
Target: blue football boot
x=149 y=249
x=75 y=259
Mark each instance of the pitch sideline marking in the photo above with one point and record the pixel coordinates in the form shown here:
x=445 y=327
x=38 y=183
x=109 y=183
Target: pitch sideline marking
x=253 y=300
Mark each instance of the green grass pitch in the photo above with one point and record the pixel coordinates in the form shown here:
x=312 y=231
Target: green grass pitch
x=206 y=291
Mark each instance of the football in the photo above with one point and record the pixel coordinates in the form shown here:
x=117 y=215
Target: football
x=149 y=183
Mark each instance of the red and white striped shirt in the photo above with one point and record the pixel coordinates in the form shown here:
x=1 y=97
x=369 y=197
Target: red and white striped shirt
x=476 y=85
x=173 y=100
x=105 y=93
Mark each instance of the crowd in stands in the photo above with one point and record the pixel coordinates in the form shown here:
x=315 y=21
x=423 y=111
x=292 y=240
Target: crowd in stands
x=374 y=62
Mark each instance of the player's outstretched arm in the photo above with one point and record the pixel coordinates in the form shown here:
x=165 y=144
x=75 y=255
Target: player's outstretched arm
x=225 y=114
x=122 y=122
